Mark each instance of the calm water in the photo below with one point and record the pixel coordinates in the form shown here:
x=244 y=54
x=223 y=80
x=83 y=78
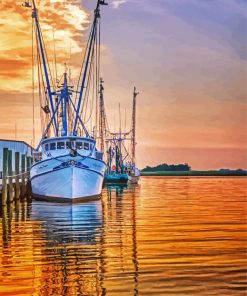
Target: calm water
x=168 y=236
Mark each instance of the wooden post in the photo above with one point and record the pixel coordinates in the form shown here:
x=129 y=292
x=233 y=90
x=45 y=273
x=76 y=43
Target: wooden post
x=28 y=190
x=29 y=164
x=23 y=177
x=17 y=172
x=4 y=176
x=10 y=173
x=31 y=157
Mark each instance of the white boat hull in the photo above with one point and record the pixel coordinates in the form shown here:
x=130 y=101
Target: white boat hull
x=67 y=179
x=134 y=179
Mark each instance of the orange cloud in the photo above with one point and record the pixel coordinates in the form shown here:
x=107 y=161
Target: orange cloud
x=67 y=19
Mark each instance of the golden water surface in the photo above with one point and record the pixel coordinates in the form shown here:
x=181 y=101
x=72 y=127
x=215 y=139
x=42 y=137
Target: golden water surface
x=167 y=236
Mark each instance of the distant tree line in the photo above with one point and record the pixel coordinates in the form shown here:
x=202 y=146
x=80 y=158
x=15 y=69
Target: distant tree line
x=167 y=167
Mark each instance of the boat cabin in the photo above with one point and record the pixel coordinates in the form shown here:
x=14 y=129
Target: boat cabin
x=63 y=145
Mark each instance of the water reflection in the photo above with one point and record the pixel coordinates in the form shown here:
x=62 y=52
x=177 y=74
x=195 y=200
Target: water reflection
x=169 y=236
x=66 y=223
x=117 y=189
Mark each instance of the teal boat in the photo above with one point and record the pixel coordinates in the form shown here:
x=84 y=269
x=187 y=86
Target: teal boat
x=117 y=178
x=116 y=172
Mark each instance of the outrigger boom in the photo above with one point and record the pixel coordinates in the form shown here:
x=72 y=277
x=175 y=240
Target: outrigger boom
x=64 y=94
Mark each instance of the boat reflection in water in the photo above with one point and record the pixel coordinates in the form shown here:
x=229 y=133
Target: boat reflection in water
x=68 y=223
x=72 y=235
x=116 y=189
x=70 y=249
x=51 y=249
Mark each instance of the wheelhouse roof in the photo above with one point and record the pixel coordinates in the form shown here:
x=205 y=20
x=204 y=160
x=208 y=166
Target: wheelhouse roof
x=64 y=138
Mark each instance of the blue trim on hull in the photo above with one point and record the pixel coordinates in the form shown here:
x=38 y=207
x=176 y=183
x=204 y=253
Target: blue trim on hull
x=45 y=173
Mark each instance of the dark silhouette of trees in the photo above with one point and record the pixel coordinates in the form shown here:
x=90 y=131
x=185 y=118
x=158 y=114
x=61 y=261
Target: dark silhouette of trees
x=167 y=167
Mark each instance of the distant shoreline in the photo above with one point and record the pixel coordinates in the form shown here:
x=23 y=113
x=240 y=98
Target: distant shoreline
x=196 y=173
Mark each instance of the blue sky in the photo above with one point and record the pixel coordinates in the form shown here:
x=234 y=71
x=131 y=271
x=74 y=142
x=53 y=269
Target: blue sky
x=188 y=59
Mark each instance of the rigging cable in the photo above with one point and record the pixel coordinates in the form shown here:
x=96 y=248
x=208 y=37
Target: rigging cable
x=46 y=102
x=85 y=101
x=33 y=140
x=49 y=74
x=42 y=120
x=91 y=74
x=55 y=58
x=81 y=70
x=97 y=88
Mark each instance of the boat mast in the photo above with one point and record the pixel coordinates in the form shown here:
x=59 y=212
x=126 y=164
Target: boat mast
x=120 y=141
x=92 y=40
x=65 y=96
x=102 y=118
x=133 y=138
x=44 y=59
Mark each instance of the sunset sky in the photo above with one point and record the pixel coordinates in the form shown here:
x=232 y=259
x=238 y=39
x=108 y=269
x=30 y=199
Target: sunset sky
x=186 y=57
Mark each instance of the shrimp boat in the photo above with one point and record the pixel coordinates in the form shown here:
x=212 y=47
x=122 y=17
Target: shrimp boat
x=68 y=166
x=121 y=164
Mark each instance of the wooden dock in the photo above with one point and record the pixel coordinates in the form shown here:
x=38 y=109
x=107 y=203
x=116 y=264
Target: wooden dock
x=14 y=175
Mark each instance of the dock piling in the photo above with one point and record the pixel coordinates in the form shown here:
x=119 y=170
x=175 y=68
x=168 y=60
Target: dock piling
x=4 y=177
x=17 y=172
x=29 y=164
x=15 y=175
x=23 y=176
x=10 y=178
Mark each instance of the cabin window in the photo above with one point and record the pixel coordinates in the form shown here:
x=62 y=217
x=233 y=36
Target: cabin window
x=46 y=147
x=86 y=146
x=78 y=145
x=60 y=145
x=91 y=146
x=68 y=145
x=52 y=146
